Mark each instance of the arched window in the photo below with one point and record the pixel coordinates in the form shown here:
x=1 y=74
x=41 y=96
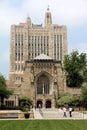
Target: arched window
x=43 y=85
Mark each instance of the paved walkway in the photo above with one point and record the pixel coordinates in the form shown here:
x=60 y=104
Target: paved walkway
x=51 y=114
x=57 y=114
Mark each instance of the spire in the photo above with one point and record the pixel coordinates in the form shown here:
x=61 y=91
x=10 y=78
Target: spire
x=28 y=21
x=48 y=8
x=48 y=19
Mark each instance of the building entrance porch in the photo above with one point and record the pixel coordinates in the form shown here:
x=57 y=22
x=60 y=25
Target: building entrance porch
x=44 y=104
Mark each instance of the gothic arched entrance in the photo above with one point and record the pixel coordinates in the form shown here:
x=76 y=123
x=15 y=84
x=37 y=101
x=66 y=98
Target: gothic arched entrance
x=43 y=85
x=39 y=104
x=48 y=104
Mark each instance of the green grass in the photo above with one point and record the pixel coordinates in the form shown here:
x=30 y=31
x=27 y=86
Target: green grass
x=43 y=124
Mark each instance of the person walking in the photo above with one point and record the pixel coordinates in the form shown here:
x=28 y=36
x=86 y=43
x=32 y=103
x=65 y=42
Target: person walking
x=64 y=110
x=70 y=111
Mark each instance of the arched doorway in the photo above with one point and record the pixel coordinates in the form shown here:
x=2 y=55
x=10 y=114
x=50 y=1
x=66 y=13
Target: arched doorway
x=48 y=104
x=43 y=85
x=39 y=104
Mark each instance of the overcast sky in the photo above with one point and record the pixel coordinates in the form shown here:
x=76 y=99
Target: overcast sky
x=72 y=13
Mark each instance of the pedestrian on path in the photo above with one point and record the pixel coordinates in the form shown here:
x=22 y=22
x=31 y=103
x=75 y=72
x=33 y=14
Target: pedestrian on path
x=70 y=111
x=64 y=110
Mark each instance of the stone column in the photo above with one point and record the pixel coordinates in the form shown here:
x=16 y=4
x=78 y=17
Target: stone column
x=16 y=100
x=44 y=103
x=53 y=103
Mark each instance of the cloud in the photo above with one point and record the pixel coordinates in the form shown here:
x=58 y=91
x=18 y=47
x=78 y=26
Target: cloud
x=68 y=12
x=72 y=13
x=81 y=47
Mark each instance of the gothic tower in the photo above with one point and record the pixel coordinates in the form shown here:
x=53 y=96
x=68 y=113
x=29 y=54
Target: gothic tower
x=36 y=56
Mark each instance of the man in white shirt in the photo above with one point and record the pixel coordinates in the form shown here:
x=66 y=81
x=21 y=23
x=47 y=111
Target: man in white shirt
x=64 y=110
x=70 y=112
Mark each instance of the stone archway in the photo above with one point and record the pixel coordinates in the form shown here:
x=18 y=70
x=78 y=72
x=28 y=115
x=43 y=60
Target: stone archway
x=43 y=85
x=39 y=103
x=48 y=104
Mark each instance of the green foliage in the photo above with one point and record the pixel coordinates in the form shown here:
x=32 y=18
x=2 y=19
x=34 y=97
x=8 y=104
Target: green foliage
x=2 y=81
x=75 y=68
x=4 y=91
x=64 y=99
x=76 y=101
x=25 y=103
x=85 y=75
x=84 y=94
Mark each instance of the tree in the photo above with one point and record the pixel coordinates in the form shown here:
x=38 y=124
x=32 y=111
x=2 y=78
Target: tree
x=4 y=92
x=76 y=101
x=65 y=100
x=84 y=95
x=68 y=100
x=25 y=102
x=75 y=69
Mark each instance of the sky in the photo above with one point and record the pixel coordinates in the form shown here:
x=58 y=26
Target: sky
x=72 y=13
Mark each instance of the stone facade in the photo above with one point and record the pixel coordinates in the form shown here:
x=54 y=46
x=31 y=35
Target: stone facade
x=36 y=57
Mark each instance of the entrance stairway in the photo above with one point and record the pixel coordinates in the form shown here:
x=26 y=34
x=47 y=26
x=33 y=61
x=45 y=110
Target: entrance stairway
x=55 y=114
x=37 y=114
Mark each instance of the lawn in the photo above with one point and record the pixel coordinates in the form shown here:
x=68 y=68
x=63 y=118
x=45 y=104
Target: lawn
x=43 y=124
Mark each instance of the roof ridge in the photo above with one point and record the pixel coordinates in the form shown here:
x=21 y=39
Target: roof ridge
x=43 y=56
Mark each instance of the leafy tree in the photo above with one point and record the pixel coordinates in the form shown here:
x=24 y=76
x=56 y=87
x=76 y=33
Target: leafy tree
x=25 y=102
x=4 y=91
x=64 y=99
x=84 y=95
x=75 y=68
x=68 y=100
x=76 y=101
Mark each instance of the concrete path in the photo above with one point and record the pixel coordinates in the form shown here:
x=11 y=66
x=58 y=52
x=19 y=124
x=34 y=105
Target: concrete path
x=57 y=114
x=51 y=114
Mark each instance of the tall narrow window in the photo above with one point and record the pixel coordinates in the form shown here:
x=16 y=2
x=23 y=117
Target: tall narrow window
x=43 y=85
x=22 y=39
x=41 y=45
x=61 y=47
x=57 y=47
x=21 y=56
x=44 y=44
x=16 y=46
x=38 y=45
x=54 y=46
x=18 y=56
x=47 y=45
x=15 y=67
x=22 y=68
x=18 y=67
x=18 y=38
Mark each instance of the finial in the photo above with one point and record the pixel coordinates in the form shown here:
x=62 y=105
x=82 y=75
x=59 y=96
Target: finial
x=28 y=15
x=48 y=8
